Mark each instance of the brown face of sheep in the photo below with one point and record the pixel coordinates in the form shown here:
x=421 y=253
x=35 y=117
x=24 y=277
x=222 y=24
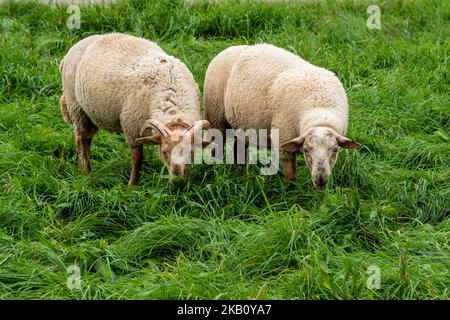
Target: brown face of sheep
x=176 y=143
x=320 y=148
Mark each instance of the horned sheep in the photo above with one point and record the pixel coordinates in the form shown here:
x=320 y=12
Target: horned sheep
x=122 y=83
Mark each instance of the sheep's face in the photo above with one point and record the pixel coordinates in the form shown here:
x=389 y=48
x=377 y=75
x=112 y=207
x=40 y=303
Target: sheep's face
x=320 y=147
x=320 y=152
x=176 y=153
x=176 y=143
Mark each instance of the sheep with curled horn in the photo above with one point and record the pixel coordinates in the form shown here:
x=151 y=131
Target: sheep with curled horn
x=129 y=85
x=176 y=141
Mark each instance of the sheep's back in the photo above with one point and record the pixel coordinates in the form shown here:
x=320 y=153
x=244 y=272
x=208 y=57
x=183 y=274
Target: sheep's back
x=247 y=94
x=116 y=68
x=215 y=85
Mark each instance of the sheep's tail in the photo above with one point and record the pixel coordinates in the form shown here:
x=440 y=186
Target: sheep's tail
x=61 y=65
x=64 y=110
x=62 y=100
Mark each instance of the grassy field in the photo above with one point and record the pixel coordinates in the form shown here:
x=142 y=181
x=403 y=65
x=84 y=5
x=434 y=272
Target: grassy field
x=224 y=235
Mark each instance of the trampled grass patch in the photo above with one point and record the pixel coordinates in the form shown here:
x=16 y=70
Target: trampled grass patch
x=224 y=234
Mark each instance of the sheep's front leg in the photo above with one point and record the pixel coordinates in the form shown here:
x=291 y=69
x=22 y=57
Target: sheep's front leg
x=290 y=172
x=137 y=158
x=83 y=141
x=239 y=157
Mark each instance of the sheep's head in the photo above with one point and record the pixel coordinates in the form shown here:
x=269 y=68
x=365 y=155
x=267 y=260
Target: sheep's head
x=176 y=143
x=320 y=146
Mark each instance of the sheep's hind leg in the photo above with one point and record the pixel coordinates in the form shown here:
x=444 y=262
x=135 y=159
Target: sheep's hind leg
x=137 y=158
x=83 y=138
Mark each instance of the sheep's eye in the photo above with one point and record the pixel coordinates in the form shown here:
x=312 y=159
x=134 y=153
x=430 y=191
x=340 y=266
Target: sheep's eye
x=335 y=150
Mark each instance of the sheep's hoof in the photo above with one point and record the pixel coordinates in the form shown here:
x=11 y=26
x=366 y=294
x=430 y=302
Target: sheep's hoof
x=290 y=177
x=86 y=169
x=133 y=182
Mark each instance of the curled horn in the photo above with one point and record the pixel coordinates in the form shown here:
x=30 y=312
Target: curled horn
x=156 y=125
x=199 y=125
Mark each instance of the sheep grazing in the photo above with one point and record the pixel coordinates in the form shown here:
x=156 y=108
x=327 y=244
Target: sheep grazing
x=122 y=83
x=265 y=87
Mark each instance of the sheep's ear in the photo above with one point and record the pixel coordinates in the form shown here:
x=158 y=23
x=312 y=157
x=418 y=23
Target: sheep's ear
x=155 y=139
x=293 y=145
x=346 y=143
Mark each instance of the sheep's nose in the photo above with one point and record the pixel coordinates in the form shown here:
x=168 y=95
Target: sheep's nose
x=179 y=172
x=177 y=180
x=320 y=181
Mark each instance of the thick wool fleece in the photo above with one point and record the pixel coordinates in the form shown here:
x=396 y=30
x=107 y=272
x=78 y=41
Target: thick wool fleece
x=265 y=87
x=118 y=81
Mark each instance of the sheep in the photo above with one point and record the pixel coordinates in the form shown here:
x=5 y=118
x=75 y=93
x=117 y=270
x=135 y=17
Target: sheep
x=122 y=83
x=264 y=87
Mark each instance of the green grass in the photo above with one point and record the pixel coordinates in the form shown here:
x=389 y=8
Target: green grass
x=225 y=235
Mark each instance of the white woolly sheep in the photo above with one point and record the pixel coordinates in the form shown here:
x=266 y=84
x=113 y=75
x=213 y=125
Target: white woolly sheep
x=122 y=83
x=264 y=87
